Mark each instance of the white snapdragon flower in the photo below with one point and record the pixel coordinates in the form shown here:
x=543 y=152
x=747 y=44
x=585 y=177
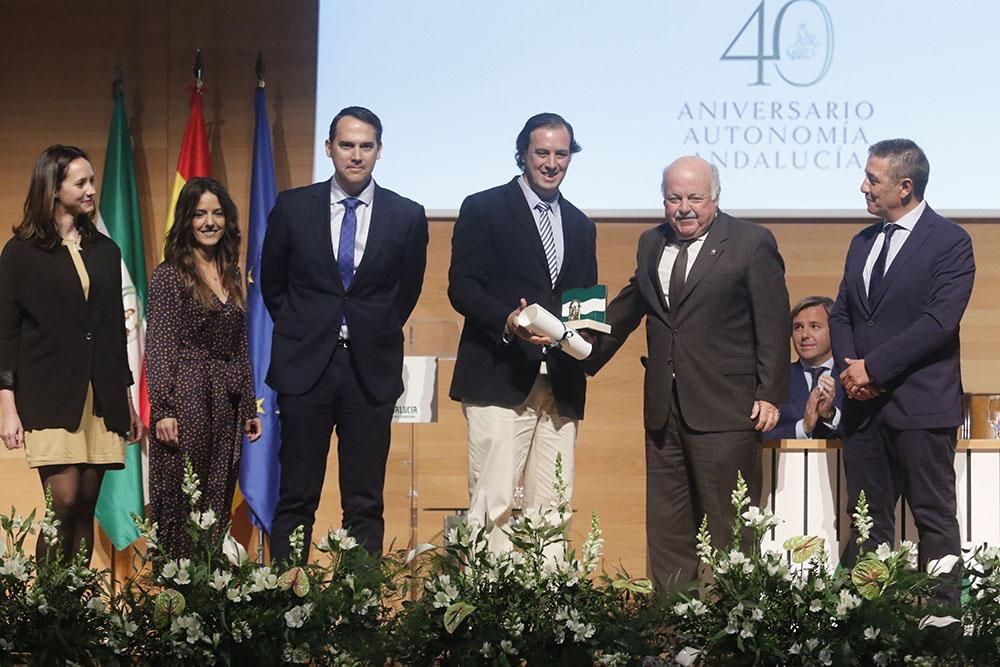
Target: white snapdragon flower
x=169 y=570
x=220 y=580
x=15 y=566
x=240 y=631
x=297 y=615
x=189 y=625
x=760 y=519
x=263 y=580
x=183 y=574
x=445 y=591
x=847 y=602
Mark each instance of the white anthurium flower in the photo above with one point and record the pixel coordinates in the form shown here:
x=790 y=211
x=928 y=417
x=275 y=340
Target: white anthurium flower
x=687 y=656
x=942 y=565
x=936 y=621
x=234 y=551
x=413 y=553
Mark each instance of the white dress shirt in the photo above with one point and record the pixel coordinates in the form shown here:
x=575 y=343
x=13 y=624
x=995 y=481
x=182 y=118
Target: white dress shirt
x=666 y=265
x=555 y=219
x=905 y=226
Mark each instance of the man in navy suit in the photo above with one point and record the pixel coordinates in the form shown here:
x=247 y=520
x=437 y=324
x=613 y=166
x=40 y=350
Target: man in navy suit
x=814 y=397
x=516 y=244
x=895 y=330
x=341 y=269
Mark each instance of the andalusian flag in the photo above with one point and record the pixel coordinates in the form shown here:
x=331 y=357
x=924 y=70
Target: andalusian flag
x=259 y=461
x=194 y=159
x=118 y=216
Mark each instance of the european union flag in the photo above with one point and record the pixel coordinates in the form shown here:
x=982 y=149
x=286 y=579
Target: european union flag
x=259 y=461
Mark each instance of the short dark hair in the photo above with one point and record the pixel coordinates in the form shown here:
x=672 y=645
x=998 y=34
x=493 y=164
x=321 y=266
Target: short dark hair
x=906 y=160
x=552 y=120
x=362 y=114
x=811 y=301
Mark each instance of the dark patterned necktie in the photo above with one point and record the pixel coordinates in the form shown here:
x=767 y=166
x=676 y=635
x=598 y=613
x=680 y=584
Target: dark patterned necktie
x=878 y=271
x=678 y=274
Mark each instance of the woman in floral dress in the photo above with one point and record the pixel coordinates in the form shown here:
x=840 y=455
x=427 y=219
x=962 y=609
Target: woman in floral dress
x=200 y=382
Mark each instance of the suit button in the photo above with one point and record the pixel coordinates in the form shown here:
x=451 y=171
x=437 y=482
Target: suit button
x=89 y=336
x=870 y=323
x=673 y=333
x=670 y=362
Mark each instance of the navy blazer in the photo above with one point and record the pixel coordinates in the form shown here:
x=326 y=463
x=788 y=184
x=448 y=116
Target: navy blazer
x=497 y=258
x=909 y=337
x=305 y=296
x=794 y=408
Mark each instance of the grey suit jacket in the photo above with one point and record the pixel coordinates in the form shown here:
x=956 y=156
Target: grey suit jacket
x=725 y=344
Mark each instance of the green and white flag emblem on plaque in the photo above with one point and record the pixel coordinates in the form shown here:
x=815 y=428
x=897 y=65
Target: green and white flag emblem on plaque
x=583 y=308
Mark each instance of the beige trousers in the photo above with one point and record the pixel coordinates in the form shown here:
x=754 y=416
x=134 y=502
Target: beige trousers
x=506 y=444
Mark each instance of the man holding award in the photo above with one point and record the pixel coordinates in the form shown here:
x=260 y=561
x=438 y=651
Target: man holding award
x=517 y=244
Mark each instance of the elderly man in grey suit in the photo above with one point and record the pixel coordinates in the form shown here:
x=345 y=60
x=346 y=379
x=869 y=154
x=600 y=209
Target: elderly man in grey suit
x=712 y=290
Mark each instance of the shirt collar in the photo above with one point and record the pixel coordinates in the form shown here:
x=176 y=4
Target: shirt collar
x=909 y=220
x=532 y=197
x=828 y=364
x=366 y=196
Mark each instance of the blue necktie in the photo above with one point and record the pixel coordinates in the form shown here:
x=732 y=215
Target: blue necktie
x=348 y=230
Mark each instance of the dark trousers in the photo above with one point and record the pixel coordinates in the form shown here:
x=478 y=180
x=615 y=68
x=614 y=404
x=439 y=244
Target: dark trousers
x=339 y=400
x=918 y=465
x=689 y=475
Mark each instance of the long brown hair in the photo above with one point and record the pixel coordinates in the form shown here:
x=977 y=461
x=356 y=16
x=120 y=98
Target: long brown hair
x=179 y=248
x=38 y=226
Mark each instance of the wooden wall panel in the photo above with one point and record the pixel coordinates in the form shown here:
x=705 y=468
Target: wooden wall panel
x=57 y=60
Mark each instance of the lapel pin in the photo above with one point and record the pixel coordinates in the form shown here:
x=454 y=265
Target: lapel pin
x=712 y=251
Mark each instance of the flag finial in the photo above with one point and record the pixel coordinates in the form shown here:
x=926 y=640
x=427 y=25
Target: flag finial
x=199 y=70
x=259 y=69
x=119 y=81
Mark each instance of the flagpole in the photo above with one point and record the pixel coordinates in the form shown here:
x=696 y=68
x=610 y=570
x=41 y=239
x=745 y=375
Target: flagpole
x=259 y=71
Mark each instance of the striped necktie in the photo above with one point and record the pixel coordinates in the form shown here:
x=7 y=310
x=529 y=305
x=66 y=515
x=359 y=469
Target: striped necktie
x=548 y=240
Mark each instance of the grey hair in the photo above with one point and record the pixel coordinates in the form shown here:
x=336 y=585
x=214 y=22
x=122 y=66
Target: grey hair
x=716 y=181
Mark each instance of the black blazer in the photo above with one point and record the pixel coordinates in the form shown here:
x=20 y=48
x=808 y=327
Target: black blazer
x=56 y=342
x=726 y=345
x=497 y=258
x=303 y=292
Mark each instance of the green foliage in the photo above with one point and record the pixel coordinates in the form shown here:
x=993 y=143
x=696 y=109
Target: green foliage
x=540 y=604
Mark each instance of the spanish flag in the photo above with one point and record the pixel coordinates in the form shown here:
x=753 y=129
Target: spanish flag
x=194 y=159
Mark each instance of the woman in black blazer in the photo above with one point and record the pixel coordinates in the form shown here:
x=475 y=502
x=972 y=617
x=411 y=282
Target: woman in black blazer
x=64 y=373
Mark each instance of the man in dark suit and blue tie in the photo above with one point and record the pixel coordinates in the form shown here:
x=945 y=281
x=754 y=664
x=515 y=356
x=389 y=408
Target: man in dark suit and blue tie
x=341 y=269
x=813 y=408
x=895 y=330
x=519 y=243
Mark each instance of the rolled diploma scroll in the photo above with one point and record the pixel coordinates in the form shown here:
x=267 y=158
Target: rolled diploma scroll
x=541 y=322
